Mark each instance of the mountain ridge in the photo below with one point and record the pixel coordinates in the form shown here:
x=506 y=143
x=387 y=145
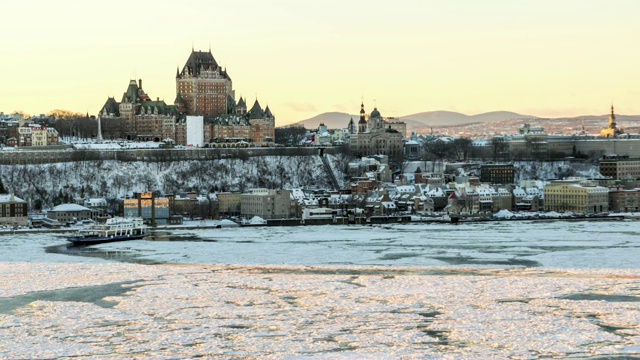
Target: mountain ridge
x=338 y=120
x=443 y=118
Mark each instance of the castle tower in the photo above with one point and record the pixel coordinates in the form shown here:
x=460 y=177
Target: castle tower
x=204 y=86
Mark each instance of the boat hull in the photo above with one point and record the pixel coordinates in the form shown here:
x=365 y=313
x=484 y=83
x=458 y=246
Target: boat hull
x=103 y=239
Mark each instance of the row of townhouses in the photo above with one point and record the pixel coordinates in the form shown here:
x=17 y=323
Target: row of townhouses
x=15 y=130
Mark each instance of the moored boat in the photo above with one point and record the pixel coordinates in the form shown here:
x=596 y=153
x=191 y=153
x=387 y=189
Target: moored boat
x=114 y=229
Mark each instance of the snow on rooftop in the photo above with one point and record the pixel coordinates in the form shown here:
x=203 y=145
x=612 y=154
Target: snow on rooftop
x=9 y=197
x=70 y=207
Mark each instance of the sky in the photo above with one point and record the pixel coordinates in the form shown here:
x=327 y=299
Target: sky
x=546 y=58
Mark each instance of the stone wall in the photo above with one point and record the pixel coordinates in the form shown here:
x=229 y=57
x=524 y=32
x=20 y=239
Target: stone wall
x=41 y=156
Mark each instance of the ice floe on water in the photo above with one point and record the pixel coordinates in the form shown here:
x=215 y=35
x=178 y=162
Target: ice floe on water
x=521 y=291
x=186 y=311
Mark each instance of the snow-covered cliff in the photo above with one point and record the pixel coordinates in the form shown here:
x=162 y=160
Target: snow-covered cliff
x=49 y=184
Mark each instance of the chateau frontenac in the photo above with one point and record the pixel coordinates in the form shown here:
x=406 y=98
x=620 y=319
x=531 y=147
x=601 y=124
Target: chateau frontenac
x=203 y=90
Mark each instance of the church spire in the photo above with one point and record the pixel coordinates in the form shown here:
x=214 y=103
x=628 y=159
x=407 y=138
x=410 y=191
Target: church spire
x=362 y=124
x=612 y=119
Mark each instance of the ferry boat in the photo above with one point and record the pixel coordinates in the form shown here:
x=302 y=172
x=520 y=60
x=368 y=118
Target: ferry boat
x=114 y=229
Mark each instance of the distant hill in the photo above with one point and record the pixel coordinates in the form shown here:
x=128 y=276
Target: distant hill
x=333 y=120
x=603 y=117
x=339 y=120
x=450 y=118
x=492 y=122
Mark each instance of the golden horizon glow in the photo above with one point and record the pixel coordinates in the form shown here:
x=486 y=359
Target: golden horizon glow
x=302 y=58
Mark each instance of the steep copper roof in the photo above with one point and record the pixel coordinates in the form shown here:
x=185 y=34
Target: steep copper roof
x=256 y=111
x=199 y=61
x=267 y=112
x=111 y=107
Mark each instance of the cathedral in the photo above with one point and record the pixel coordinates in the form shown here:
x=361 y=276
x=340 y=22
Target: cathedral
x=375 y=135
x=204 y=89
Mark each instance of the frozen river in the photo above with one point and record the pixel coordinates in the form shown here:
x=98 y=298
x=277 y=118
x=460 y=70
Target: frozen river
x=519 y=290
x=554 y=244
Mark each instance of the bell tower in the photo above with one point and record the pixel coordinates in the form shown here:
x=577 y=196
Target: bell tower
x=362 y=124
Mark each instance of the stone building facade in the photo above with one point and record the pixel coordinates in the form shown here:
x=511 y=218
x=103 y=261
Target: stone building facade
x=497 y=174
x=203 y=87
x=624 y=200
x=375 y=136
x=575 y=196
x=266 y=203
x=620 y=167
x=13 y=210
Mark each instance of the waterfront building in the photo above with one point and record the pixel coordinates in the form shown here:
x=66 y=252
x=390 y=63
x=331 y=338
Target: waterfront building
x=69 y=213
x=266 y=203
x=98 y=207
x=190 y=205
x=624 y=200
x=154 y=210
x=13 y=210
x=576 y=196
x=228 y=203
x=503 y=199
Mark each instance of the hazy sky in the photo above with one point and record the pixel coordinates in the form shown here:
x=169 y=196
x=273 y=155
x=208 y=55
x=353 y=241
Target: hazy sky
x=303 y=57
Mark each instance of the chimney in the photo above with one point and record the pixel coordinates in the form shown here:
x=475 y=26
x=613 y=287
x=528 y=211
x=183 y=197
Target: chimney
x=140 y=83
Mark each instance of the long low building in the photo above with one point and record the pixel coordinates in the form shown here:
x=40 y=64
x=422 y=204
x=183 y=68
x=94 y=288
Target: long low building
x=577 y=196
x=266 y=203
x=69 y=213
